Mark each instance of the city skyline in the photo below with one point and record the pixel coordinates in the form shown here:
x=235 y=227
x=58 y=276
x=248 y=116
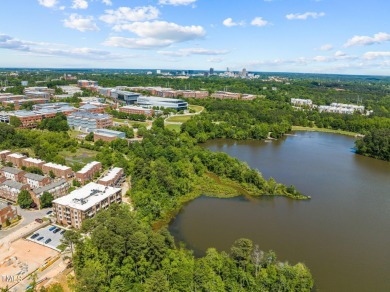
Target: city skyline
x=313 y=36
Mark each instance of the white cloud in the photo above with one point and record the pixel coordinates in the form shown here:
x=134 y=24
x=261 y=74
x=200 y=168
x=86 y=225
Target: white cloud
x=326 y=47
x=259 y=21
x=375 y=55
x=136 y=43
x=357 y=40
x=48 y=49
x=163 y=30
x=229 y=22
x=304 y=16
x=127 y=14
x=81 y=23
x=48 y=3
x=80 y=4
x=176 y=2
x=193 y=51
x=340 y=54
x=107 y=2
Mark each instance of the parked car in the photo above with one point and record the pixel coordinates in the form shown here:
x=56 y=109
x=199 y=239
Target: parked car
x=49 y=212
x=39 y=220
x=58 y=229
x=63 y=231
x=47 y=241
x=35 y=235
x=52 y=228
x=40 y=238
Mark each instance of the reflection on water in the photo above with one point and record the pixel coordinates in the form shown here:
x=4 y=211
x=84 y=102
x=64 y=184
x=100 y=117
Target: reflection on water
x=342 y=233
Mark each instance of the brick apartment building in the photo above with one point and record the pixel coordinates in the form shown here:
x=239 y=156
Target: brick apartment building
x=12 y=173
x=10 y=190
x=88 y=171
x=113 y=178
x=226 y=95
x=16 y=159
x=7 y=212
x=35 y=180
x=84 y=203
x=58 y=170
x=3 y=154
x=57 y=189
x=33 y=162
x=137 y=110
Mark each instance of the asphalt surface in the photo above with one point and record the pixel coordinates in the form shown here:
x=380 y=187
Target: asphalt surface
x=27 y=217
x=45 y=234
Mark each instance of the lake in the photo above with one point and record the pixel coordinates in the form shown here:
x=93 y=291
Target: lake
x=342 y=234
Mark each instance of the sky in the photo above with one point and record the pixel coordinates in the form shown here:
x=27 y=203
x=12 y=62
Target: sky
x=308 y=36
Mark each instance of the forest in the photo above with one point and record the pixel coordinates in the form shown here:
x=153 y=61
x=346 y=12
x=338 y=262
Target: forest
x=122 y=253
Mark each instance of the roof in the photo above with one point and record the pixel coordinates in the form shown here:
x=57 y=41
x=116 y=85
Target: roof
x=88 y=106
x=87 y=196
x=57 y=166
x=48 y=187
x=108 y=132
x=12 y=170
x=111 y=174
x=34 y=176
x=90 y=115
x=13 y=184
x=33 y=160
x=16 y=155
x=5 y=151
x=138 y=108
x=88 y=167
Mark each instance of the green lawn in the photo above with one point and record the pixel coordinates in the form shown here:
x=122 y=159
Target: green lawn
x=196 y=108
x=179 y=119
x=315 y=129
x=173 y=127
x=80 y=156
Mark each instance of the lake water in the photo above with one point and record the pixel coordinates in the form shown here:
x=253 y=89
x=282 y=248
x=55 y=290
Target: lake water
x=342 y=234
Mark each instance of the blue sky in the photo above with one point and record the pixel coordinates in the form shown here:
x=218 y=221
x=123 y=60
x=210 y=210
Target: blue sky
x=319 y=36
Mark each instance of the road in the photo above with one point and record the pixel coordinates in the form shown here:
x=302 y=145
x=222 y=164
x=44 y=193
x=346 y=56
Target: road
x=27 y=217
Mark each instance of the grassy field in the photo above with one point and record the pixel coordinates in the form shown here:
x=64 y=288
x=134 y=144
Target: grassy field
x=179 y=119
x=74 y=134
x=196 y=108
x=82 y=156
x=173 y=127
x=315 y=129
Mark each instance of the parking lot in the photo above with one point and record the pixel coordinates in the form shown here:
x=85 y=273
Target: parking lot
x=46 y=233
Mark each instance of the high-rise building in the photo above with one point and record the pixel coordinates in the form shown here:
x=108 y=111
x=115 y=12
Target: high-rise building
x=211 y=71
x=244 y=73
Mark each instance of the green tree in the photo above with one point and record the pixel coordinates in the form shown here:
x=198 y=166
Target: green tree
x=46 y=200
x=89 y=137
x=15 y=122
x=51 y=174
x=34 y=169
x=24 y=199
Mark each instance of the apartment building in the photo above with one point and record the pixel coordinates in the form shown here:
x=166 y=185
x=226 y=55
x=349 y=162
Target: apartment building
x=58 y=170
x=301 y=102
x=4 y=153
x=248 y=96
x=10 y=190
x=16 y=159
x=137 y=110
x=57 y=189
x=88 y=171
x=113 y=178
x=2 y=179
x=226 y=95
x=35 y=180
x=107 y=135
x=89 y=122
x=84 y=203
x=33 y=162
x=7 y=213
x=12 y=173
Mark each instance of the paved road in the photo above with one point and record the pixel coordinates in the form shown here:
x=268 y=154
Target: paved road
x=27 y=218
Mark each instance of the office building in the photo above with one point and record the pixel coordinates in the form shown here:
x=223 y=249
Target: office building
x=137 y=110
x=123 y=96
x=88 y=84
x=160 y=102
x=89 y=122
x=84 y=203
x=90 y=108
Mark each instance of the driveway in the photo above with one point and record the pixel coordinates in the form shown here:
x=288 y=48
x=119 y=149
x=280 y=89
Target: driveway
x=27 y=217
